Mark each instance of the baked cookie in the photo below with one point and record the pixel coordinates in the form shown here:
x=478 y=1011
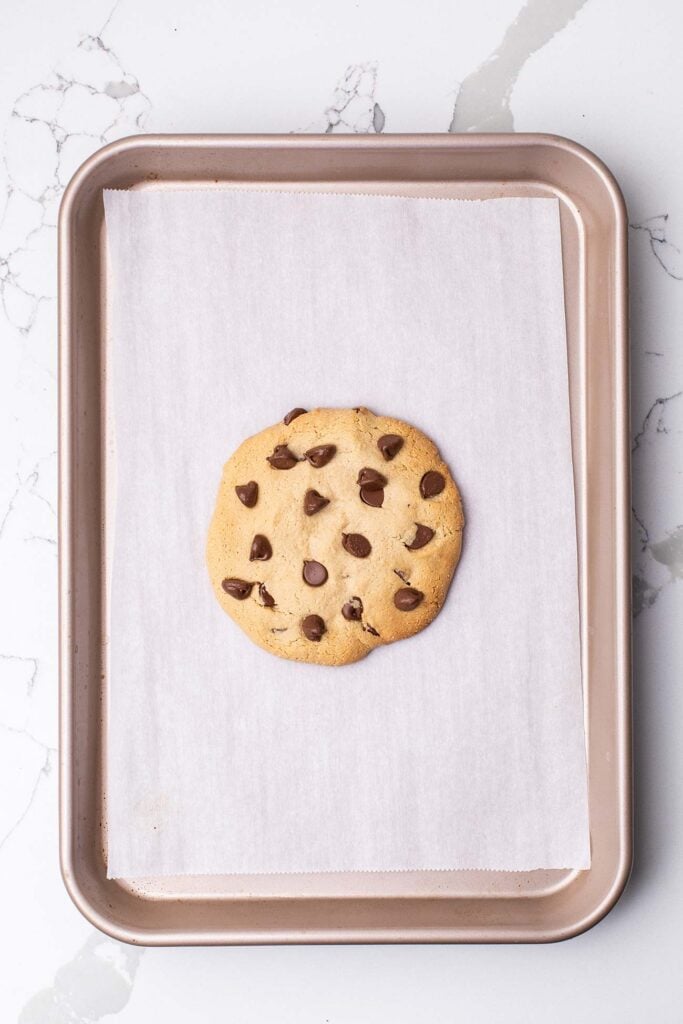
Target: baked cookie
x=334 y=531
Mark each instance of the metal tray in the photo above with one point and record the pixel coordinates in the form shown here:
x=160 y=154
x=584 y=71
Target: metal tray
x=455 y=906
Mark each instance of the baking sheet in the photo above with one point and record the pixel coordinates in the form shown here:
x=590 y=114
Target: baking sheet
x=418 y=906
x=460 y=748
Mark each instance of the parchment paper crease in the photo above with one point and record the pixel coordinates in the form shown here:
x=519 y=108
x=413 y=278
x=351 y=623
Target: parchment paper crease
x=460 y=748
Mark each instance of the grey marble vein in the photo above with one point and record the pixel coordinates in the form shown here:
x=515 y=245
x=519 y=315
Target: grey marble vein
x=33 y=662
x=9 y=508
x=654 y=418
x=45 y=769
x=96 y=983
x=107 y=21
x=354 y=107
x=483 y=99
x=28 y=487
x=657 y=466
x=668 y=553
x=18 y=725
x=667 y=254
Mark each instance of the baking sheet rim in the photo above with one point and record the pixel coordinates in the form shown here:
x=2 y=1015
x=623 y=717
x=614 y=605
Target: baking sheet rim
x=622 y=619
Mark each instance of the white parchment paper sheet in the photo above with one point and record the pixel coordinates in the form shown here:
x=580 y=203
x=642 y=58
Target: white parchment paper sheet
x=460 y=748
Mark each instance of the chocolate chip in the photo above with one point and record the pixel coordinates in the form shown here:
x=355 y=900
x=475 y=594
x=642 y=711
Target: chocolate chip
x=239 y=589
x=282 y=458
x=353 y=610
x=372 y=496
x=402 y=576
x=390 y=445
x=247 y=493
x=313 y=627
x=320 y=455
x=407 y=598
x=423 y=535
x=292 y=415
x=268 y=599
x=313 y=502
x=356 y=544
x=261 y=550
x=315 y=574
x=371 y=480
x=369 y=629
x=431 y=484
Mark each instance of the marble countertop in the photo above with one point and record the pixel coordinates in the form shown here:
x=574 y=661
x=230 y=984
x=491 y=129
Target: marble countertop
x=82 y=73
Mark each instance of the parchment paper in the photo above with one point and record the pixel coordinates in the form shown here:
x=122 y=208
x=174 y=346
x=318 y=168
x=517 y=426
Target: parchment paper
x=462 y=747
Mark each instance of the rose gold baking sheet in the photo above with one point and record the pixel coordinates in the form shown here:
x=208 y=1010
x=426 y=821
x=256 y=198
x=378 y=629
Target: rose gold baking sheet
x=429 y=906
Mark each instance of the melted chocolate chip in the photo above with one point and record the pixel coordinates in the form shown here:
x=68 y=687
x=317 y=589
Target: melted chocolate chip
x=282 y=458
x=371 y=480
x=431 y=484
x=356 y=544
x=353 y=610
x=268 y=599
x=320 y=455
x=313 y=627
x=315 y=574
x=390 y=445
x=313 y=502
x=261 y=550
x=423 y=535
x=247 y=493
x=372 y=496
x=292 y=415
x=369 y=629
x=239 y=589
x=408 y=598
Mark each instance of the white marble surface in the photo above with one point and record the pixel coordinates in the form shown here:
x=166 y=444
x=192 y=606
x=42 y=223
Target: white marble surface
x=80 y=73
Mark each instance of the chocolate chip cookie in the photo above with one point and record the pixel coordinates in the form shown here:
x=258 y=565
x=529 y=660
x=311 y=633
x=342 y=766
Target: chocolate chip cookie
x=334 y=531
